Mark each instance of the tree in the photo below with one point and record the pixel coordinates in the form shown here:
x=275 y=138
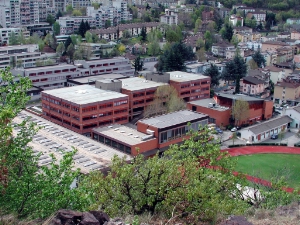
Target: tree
x=281 y=135
x=27 y=188
x=82 y=29
x=76 y=12
x=70 y=52
x=187 y=179
x=240 y=110
x=60 y=49
x=50 y=19
x=153 y=48
x=239 y=23
x=13 y=39
x=200 y=54
x=208 y=40
x=69 y=9
x=87 y=25
x=88 y=37
x=166 y=100
x=252 y=64
x=126 y=34
x=198 y=24
x=21 y=38
x=214 y=74
x=41 y=45
x=96 y=5
x=143 y=34
x=233 y=137
x=173 y=59
x=68 y=42
x=122 y=48
x=138 y=64
x=107 y=24
x=235 y=70
x=56 y=28
x=228 y=32
x=259 y=59
x=59 y=14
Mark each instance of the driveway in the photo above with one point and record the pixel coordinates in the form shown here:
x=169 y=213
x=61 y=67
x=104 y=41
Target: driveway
x=290 y=137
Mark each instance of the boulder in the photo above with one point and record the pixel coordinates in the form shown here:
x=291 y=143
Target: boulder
x=88 y=219
x=236 y=220
x=102 y=217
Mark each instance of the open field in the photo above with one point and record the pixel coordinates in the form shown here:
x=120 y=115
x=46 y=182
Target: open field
x=266 y=166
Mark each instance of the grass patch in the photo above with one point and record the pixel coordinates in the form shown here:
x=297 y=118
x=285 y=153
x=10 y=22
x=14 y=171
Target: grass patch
x=266 y=166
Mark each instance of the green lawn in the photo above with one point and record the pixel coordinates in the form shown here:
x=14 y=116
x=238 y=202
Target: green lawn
x=266 y=166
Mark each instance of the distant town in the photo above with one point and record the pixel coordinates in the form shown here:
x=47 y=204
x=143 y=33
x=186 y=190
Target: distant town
x=126 y=75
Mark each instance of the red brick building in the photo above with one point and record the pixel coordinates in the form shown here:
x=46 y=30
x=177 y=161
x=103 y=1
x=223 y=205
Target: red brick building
x=153 y=135
x=81 y=108
x=219 y=108
x=190 y=86
x=140 y=92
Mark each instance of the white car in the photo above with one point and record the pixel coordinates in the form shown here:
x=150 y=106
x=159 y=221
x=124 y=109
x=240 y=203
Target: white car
x=233 y=129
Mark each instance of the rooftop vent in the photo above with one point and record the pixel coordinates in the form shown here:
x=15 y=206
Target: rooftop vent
x=122 y=131
x=116 y=129
x=129 y=134
x=110 y=126
x=136 y=136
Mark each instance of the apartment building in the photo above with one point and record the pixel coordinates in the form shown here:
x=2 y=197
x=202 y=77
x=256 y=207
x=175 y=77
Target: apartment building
x=252 y=85
x=260 y=16
x=9 y=13
x=233 y=19
x=82 y=109
x=153 y=135
x=115 y=13
x=134 y=29
x=220 y=49
x=170 y=17
x=190 y=87
x=272 y=45
x=70 y=24
x=287 y=91
x=6 y=32
x=284 y=54
x=78 y=4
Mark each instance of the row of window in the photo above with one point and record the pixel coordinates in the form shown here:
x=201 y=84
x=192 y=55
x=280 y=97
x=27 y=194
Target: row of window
x=107 y=141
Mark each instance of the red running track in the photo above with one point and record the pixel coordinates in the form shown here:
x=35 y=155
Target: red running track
x=249 y=150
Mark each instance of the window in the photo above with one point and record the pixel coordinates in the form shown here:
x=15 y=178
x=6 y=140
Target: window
x=120 y=103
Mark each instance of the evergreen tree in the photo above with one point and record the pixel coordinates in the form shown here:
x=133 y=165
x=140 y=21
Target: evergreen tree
x=144 y=34
x=82 y=29
x=259 y=59
x=214 y=74
x=138 y=64
x=235 y=70
x=59 y=14
x=228 y=32
x=56 y=28
x=87 y=25
x=68 y=42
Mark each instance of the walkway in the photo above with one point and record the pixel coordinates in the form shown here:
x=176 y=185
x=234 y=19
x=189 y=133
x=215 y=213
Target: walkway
x=248 y=150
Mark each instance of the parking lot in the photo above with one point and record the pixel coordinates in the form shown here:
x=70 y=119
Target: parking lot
x=54 y=139
x=290 y=137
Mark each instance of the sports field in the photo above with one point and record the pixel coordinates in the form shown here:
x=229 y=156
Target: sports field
x=266 y=166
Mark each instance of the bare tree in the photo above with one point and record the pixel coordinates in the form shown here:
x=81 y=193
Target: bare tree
x=240 y=110
x=166 y=100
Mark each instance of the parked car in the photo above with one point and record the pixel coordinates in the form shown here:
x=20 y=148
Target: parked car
x=234 y=129
x=219 y=131
x=274 y=136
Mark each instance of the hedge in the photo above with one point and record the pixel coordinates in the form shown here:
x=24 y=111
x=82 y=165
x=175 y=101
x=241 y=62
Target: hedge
x=259 y=144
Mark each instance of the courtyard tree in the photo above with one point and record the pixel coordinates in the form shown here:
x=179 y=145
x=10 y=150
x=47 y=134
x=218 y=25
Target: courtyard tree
x=259 y=59
x=27 y=188
x=166 y=100
x=13 y=39
x=70 y=52
x=56 y=28
x=240 y=110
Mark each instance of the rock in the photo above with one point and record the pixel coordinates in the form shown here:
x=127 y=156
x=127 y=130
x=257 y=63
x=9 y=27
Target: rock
x=102 y=217
x=88 y=219
x=68 y=216
x=116 y=221
x=236 y=220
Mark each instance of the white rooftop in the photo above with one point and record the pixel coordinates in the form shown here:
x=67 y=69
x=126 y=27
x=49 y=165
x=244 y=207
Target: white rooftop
x=122 y=134
x=179 y=76
x=136 y=83
x=60 y=66
x=84 y=94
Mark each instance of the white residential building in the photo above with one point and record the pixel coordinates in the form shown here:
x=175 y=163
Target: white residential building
x=9 y=13
x=5 y=33
x=170 y=17
x=70 y=24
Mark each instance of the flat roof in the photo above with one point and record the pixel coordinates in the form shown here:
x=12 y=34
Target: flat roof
x=269 y=125
x=60 y=66
x=206 y=103
x=101 y=60
x=239 y=96
x=17 y=46
x=88 y=79
x=122 y=133
x=180 y=76
x=136 y=83
x=84 y=94
x=91 y=155
x=172 y=119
